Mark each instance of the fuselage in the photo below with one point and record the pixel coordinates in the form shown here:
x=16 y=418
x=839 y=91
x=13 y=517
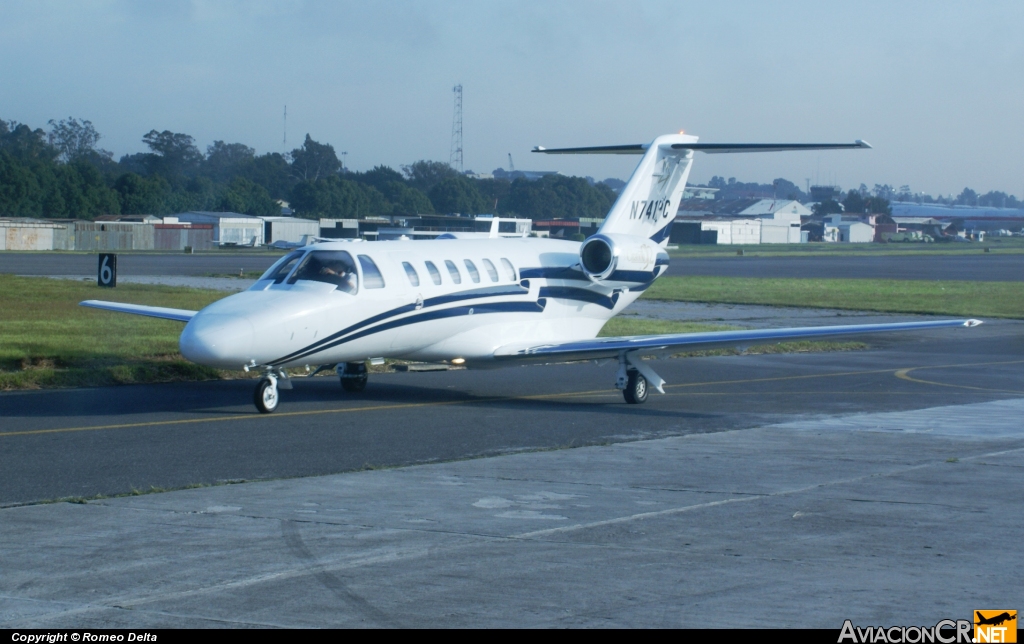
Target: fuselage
x=457 y=299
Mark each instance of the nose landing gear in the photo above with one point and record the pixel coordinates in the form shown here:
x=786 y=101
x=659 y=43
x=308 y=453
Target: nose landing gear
x=266 y=397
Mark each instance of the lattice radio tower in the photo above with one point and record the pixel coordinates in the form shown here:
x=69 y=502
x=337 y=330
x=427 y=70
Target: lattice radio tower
x=455 y=158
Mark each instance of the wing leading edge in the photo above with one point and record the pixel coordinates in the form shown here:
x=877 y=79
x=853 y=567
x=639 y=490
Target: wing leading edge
x=179 y=315
x=656 y=344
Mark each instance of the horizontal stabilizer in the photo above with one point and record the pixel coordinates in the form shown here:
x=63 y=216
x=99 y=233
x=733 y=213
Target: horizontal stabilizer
x=660 y=344
x=179 y=315
x=709 y=148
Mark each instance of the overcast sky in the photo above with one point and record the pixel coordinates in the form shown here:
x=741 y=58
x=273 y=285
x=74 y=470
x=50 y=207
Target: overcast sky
x=936 y=88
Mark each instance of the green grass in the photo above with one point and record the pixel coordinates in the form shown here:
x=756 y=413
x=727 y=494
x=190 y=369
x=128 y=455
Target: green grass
x=998 y=245
x=631 y=325
x=47 y=340
x=973 y=299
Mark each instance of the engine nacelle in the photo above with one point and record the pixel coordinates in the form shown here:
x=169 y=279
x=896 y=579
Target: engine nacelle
x=622 y=261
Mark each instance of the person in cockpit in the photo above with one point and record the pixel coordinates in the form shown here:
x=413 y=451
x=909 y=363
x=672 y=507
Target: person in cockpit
x=340 y=274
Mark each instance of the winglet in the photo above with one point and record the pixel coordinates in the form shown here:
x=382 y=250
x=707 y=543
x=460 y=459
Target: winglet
x=972 y=323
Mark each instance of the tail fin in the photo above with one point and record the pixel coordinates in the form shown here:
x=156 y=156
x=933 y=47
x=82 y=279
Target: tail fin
x=647 y=206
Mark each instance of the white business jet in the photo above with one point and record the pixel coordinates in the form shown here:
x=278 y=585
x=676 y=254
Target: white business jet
x=481 y=302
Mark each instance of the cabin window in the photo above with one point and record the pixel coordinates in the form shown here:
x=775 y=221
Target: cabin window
x=414 y=277
x=371 y=274
x=435 y=274
x=509 y=268
x=454 y=271
x=473 y=273
x=329 y=266
x=279 y=271
x=491 y=271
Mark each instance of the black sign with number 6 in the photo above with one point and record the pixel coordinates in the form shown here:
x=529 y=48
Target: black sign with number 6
x=108 y=270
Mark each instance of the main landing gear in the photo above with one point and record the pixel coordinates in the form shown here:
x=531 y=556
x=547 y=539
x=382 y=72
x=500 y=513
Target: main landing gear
x=635 y=392
x=353 y=376
x=636 y=379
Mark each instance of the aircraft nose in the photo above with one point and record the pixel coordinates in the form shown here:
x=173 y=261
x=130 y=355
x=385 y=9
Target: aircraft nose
x=214 y=340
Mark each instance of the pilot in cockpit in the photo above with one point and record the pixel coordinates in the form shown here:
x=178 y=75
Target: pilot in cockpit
x=341 y=274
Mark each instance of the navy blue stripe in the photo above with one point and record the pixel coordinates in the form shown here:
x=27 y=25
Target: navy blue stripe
x=661 y=261
x=456 y=311
x=579 y=294
x=490 y=291
x=355 y=327
x=554 y=273
x=664 y=233
x=641 y=277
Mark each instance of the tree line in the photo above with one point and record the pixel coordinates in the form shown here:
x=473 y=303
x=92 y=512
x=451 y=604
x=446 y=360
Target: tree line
x=62 y=173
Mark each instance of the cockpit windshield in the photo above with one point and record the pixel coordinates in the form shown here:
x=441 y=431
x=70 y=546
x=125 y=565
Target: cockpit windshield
x=279 y=271
x=331 y=266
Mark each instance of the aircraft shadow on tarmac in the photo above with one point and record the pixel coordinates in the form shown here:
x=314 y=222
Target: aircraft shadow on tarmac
x=233 y=397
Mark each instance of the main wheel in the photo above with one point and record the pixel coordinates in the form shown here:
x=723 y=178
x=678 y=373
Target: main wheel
x=266 y=397
x=354 y=377
x=635 y=392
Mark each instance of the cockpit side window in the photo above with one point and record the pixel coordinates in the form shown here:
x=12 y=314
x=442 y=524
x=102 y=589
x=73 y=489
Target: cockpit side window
x=491 y=271
x=279 y=271
x=371 y=274
x=435 y=274
x=454 y=270
x=473 y=273
x=414 y=277
x=329 y=266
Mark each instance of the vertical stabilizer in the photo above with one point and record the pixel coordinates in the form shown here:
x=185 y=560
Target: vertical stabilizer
x=648 y=203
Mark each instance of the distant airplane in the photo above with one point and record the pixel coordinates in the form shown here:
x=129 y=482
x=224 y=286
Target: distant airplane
x=479 y=302
x=233 y=244
x=306 y=240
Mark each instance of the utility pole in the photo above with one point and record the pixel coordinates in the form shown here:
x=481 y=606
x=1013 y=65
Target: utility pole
x=511 y=166
x=284 y=143
x=455 y=158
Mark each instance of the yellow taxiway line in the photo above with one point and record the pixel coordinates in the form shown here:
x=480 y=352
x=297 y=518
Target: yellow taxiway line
x=899 y=373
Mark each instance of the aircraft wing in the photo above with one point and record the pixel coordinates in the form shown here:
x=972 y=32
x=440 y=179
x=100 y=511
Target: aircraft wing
x=180 y=315
x=678 y=342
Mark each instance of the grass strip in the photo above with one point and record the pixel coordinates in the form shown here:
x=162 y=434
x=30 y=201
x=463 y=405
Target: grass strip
x=47 y=340
x=996 y=245
x=970 y=299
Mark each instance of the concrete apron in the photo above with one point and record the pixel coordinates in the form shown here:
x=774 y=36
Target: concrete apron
x=886 y=519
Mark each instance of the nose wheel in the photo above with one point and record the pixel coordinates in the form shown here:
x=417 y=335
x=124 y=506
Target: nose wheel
x=266 y=396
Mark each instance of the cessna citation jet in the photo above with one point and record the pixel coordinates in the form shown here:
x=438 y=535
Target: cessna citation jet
x=481 y=303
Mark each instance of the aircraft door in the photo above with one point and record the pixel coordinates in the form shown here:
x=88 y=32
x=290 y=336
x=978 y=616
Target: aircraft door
x=416 y=283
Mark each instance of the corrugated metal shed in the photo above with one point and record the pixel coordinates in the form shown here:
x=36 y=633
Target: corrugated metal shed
x=228 y=227
x=178 y=236
x=26 y=233
x=290 y=229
